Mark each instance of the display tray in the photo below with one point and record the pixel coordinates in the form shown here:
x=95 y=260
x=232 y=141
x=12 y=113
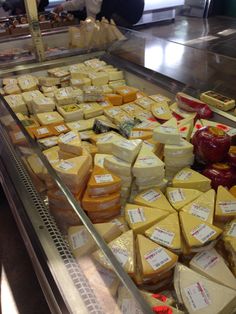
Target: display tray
x=95 y=277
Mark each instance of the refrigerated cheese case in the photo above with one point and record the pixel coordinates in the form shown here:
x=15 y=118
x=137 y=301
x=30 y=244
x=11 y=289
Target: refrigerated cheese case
x=94 y=149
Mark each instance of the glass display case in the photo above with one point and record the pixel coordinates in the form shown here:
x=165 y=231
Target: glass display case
x=79 y=284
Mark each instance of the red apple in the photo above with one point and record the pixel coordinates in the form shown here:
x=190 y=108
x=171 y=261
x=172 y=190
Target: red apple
x=220 y=174
x=211 y=144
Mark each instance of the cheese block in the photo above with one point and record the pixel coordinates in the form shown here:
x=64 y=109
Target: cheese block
x=104 y=142
x=146 y=125
x=190 y=179
x=196 y=232
x=71 y=112
x=106 y=89
x=153 y=259
x=74 y=171
x=122 y=118
x=217 y=100
x=52 y=154
x=112 y=112
x=179 y=197
x=81 y=125
x=87 y=135
x=121 y=223
x=27 y=83
x=179 y=162
x=182 y=113
x=160 y=98
x=167 y=133
x=58 y=72
x=29 y=96
x=11 y=89
x=100 y=203
x=92 y=109
x=201 y=295
x=126 y=150
x=106 y=104
x=202 y=207
x=198 y=125
x=114 y=99
x=48 y=81
x=9 y=80
x=153 y=198
x=42 y=132
x=48 y=142
x=65 y=96
x=93 y=93
x=139 y=134
x=181 y=150
x=29 y=123
x=140 y=218
x=148 y=164
x=123 y=249
x=118 y=166
x=80 y=82
x=166 y=232
x=99 y=159
x=115 y=75
x=65 y=155
x=155 y=147
x=161 y=111
x=218 y=125
x=99 y=78
x=16 y=103
x=131 y=108
x=104 y=215
x=115 y=84
x=49 y=118
x=225 y=205
x=128 y=93
x=102 y=182
x=145 y=102
x=81 y=242
x=70 y=143
x=210 y=264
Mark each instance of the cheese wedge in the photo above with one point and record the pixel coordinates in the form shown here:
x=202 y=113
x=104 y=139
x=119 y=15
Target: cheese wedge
x=16 y=103
x=161 y=111
x=104 y=142
x=210 y=264
x=81 y=242
x=160 y=98
x=182 y=113
x=196 y=232
x=180 y=197
x=153 y=259
x=102 y=203
x=145 y=102
x=102 y=182
x=70 y=142
x=117 y=166
x=146 y=125
x=65 y=155
x=140 y=218
x=201 y=295
x=198 y=125
x=190 y=179
x=27 y=83
x=128 y=93
x=123 y=249
x=71 y=112
x=183 y=149
x=52 y=154
x=202 y=207
x=49 y=118
x=148 y=164
x=65 y=96
x=81 y=125
x=166 y=232
x=92 y=149
x=225 y=205
x=185 y=131
x=91 y=110
x=153 y=198
x=167 y=133
x=126 y=150
x=143 y=135
x=99 y=159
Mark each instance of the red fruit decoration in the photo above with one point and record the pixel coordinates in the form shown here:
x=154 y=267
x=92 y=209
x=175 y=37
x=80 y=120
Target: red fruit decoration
x=232 y=156
x=220 y=174
x=211 y=144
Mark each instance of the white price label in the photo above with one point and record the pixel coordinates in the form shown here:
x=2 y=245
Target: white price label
x=103 y=178
x=65 y=165
x=145 y=101
x=49 y=142
x=232 y=230
x=149 y=161
x=228 y=207
x=49 y=118
x=79 y=239
x=176 y=196
x=160 y=110
x=136 y=215
x=60 y=128
x=121 y=254
x=151 y=196
x=69 y=137
x=168 y=129
x=157 y=258
x=183 y=175
x=126 y=144
x=199 y=211
x=163 y=236
x=158 y=98
x=198 y=296
x=206 y=260
x=42 y=131
x=203 y=233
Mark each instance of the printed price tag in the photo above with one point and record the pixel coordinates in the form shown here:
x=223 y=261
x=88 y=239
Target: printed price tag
x=60 y=128
x=163 y=236
x=157 y=258
x=49 y=142
x=228 y=207
x=203 y=233
x=198 y=296
x=49 y=117
x=168 y=129
x=103 y=178
x=121 y=254
x=232 y=230
x=206 y=260
x=136 y=215
x=151 y=196
x=199 y=211
x=65 y=165
x=136 y=133
x=42 y=131
x=67 y=138
x=183 y=175
x=79 y=239
x=176 y=196
x=160 y=110
x=149 y=161
x=158 y=98
x=126 y=144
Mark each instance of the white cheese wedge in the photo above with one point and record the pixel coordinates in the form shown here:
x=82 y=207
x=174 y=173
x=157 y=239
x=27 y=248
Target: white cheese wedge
x=104 y=142
x=182 y=113
x=181 y=150
x=118 y=166
x=126 y=150
x=99 y=159
x=185 y=131
x=49 y=118
x=145 y=102
x=27 y=83
x=65 y=96
x=167 y=133
x=225 y=205
x=16 y=103
x=160 y=98
x=180 y=162
x=91 y=110
x=179 y=197
x=71 y=143
x=42 y=104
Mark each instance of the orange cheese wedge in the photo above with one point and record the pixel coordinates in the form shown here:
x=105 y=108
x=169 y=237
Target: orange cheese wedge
x=101 y=203
x=128 y=93
x=114 y=99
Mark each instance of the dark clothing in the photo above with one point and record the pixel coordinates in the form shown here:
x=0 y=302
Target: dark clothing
x=18 y=6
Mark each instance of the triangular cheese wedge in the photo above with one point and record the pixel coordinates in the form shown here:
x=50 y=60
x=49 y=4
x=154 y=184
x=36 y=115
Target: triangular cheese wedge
x=70 y=143
x=147 y=164
x=182 y=113
x=153 y=198
x=182 y=150
x=196 y=232
x=126 y=150
x=141 y=218
x=210 y=264
x=190 y=179
x=180 y=197
x=187 y=120
x=166 y=232
x=225 y=204
x=198 y=125
x=202 y=207
x=103 y=182
x=152 y=258
x=201 y=295
x=123 y=248
x=82 y=243
x=161 y=111
x=230 y=230
x=218 y=125
x=185 y=131
x=167 y=133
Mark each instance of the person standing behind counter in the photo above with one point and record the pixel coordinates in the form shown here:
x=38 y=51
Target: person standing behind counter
x=124 y=12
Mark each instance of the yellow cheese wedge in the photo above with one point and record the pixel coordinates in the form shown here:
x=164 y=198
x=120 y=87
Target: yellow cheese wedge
x=49 y=118
x=82 y=243
x=181 y=150
x=145 y=102
x=190 y=179
x=123 y=248
x=99 y=159
x=117 y=166
x=167 y=133
x=143 y=135
x=91 y=110
x=92 y=149
x=81 y=125
x=141 y=218
x=153 y=259
x=104 y=142
x=70 y=142
x=102 y=182
x=161 y=111
x=146 y=125
x=128 y=93
x=179 y=197
x=196 y=232
x=153 y=198
x=202 y=207
x=225 y=205
x=166 y=232
x=65 y=155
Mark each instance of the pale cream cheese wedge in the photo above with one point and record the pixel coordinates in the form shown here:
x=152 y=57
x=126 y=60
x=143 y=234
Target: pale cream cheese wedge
x=126 y=150
x=70 y=142
x=167 y=133
x=183 y=149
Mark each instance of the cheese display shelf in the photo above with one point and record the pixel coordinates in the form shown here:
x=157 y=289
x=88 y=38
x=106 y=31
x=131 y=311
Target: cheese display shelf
x=101 y=168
